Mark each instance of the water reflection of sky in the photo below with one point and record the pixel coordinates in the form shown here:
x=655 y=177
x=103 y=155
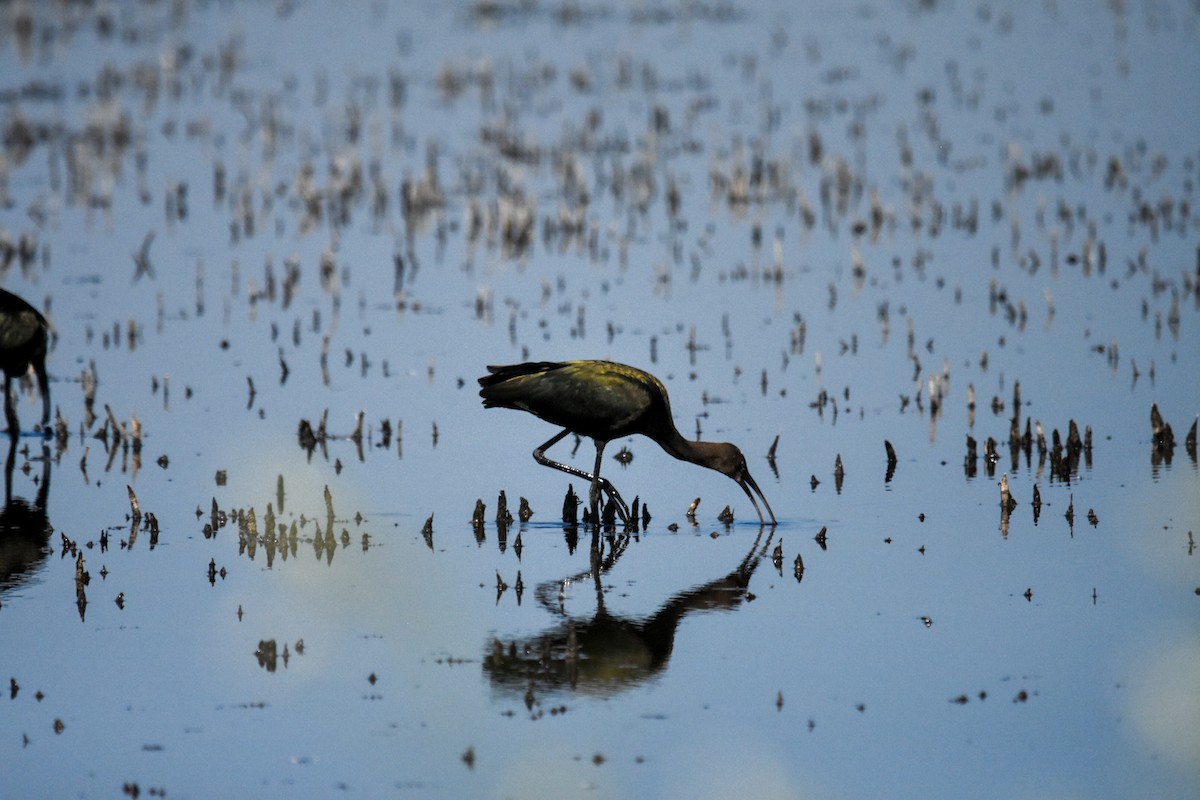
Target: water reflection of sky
x=1080 y=689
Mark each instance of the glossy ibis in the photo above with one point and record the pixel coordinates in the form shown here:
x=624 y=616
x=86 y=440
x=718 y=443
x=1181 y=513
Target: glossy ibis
x=23 y=337
x=607 y=401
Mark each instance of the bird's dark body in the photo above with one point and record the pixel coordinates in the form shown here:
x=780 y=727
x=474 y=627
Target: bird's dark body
x=24 y=336
x=599 y=399
x=604 y=400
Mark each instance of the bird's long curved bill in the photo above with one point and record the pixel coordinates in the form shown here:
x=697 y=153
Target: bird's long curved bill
x=747 y=483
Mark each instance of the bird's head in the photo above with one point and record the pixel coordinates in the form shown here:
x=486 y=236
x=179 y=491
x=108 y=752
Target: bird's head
x=728 y=459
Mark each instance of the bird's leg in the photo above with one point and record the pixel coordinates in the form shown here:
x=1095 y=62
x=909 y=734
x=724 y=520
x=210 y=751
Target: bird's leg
x=539 y=455
x=594 y=490
x=598 y=484
x=8 y=469
x=10 y=411
x=44 y=386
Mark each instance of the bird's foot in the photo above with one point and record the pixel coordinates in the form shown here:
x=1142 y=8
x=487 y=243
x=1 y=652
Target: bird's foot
x=619 y=505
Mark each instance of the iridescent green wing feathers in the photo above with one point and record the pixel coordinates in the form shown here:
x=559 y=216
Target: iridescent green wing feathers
x=600 y=399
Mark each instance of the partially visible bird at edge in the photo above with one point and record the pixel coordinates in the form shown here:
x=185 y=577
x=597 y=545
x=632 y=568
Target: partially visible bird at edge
x=604 y=400
x=24 y=335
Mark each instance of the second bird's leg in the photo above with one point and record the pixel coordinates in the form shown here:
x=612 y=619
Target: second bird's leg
x=597 y=483
x=10 y=410
x=44 y=387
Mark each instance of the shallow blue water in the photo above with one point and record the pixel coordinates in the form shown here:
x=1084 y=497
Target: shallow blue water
x=932 y=648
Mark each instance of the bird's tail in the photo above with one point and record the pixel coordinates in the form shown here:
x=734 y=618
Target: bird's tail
x=501 y=386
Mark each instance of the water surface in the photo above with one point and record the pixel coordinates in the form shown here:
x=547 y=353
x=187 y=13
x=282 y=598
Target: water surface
x=830 y=224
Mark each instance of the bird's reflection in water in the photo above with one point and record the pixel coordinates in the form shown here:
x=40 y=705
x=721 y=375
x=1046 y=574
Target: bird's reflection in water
x=24 y=528
x=607 y=654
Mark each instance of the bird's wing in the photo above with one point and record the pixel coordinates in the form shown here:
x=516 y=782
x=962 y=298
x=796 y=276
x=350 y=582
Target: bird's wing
x=497 y=375
x=593 y=398
x=17 y=330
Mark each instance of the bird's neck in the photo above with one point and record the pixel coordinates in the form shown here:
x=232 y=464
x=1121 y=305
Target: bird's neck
x=685 y=449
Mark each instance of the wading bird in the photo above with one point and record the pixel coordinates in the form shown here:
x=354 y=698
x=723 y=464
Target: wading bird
x=23 y=337
x=606 y=401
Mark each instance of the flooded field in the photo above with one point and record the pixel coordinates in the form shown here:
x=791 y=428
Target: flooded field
x=934 y=267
